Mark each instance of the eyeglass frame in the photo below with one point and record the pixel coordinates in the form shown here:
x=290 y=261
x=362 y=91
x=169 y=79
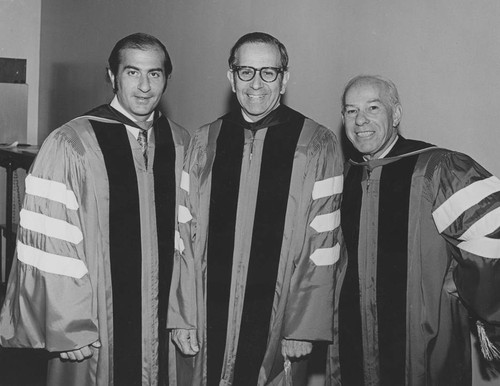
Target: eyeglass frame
x=279 y=70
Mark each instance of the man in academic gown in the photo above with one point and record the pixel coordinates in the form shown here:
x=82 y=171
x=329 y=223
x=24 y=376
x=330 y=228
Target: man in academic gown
x=259 y=222
x=422 y=231
x=96 y=236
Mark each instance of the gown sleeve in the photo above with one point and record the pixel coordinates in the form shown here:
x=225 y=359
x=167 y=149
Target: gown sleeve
x=309 y=310
x=466 y=212
x=49 y=296
x=182 y=308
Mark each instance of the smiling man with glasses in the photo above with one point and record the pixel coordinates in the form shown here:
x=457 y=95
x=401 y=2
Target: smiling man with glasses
x=260 y=226
x=258 y=95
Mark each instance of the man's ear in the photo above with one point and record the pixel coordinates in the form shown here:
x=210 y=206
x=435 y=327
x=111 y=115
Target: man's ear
x=230 y=77
x=286 y=78
x=112 y=79
x=111 y=76
x=397 y=113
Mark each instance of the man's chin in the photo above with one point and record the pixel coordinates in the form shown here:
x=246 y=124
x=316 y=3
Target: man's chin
x=142 y=113
x=365 y=151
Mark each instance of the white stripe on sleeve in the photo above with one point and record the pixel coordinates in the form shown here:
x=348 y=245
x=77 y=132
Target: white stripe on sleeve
x=49 y=226
x=51 y=190
x=184 y=214
x=326 y=256
x=487 y=224
x=328 y=187
x=51 y=263
x=178 y=243
x=185 y=181
x=484 y=247
x=462 y=200
x=326 y=222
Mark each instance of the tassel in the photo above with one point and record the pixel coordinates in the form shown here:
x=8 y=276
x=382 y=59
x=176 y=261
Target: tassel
x=490 y=352
x=288 y=372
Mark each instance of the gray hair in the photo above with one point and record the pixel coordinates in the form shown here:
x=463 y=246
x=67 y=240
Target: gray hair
x=387 y=84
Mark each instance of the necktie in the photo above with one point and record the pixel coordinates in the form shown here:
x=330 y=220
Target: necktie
x=142 y=138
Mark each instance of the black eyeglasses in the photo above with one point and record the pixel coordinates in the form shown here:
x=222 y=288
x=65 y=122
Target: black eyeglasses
x=247 y=73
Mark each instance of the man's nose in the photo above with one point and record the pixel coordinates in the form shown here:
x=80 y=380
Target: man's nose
x=256 y=82
x=144 y=84
x=361 y=118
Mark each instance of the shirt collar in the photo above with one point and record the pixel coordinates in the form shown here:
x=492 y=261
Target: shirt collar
x=386 y=151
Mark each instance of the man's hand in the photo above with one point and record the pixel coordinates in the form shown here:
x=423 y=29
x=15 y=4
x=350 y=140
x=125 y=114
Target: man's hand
x=186 y=341
x=79 y=354
x=295 y=348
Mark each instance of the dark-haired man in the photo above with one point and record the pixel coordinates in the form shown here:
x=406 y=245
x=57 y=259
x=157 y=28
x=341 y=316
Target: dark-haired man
x=422 y=231
x=97 y=230
x=260 y=225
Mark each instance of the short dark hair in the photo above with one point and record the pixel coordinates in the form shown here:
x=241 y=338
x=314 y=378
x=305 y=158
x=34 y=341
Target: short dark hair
x=259 y=37
x=139 y=41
